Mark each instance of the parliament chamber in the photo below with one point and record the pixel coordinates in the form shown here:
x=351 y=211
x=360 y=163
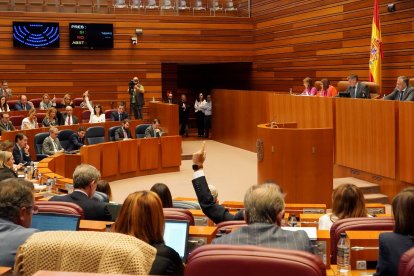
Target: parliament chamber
x=248 y=58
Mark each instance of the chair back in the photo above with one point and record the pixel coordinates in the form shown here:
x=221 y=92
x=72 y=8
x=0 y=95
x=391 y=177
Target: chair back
x=36 y=102
x=95 y=135
x=40 y=117
x=226 y=227
x=60 y=207
x=12 y=104
x=64 y=136
x=108 y=114
x=342 y=86
x=318 y=85
x=252 y=260
x=179 y=214
x=111 y=133
x=77 y=101
x=38 y=143
x=373 y=87
x=140 y=130
x=17 y=120
x=86 y=115
x=406 y=267
x=180 y=204
x=411 y=82
x=84 y=251
x=340 y=226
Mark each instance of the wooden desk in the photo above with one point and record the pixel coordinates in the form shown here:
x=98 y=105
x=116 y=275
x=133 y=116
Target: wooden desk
x=93 y=225
x=324 y=238
x=207 y=232
x=309 y=220
x=375 y=208
x=5 y=270
x=186 y=199
x=334 y=272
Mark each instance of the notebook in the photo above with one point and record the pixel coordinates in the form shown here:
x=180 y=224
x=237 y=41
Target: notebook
x=176 y=236
x=55 y=222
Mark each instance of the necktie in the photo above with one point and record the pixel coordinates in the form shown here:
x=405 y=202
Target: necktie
x=69 y=120
x=125 y=134
x=21 y=154
x=401 y=95
x=120 y=117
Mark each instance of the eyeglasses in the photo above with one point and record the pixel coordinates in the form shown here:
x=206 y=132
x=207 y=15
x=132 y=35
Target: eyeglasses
x=34 y=209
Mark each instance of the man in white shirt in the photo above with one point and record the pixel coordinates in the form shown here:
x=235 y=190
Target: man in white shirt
x=206 y=108
x=51 y=144
x=68 y=118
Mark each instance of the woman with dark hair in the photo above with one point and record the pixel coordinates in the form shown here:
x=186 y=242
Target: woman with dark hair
x=102 y=186
x=4 y=107
x=327 y=90
x=163 y=193
x=392 y=245
x=97 y=114
x=310 y=90
x=142 y=216
x=347 y=202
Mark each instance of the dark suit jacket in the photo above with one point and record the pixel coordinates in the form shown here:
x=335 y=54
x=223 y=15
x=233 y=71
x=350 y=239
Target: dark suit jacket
x=362 y=91
x=18 y=157
x=19 y=106
x=7 y=127
x=407 y=96
x=150 y=132
x=75 y=142
x=391 y=247
x=93 y=210
x=119 y=134
x=167 y=261
x=115 y=116
x=267 y=235
x=6 y=173
x=74 y=119
x=217 y=213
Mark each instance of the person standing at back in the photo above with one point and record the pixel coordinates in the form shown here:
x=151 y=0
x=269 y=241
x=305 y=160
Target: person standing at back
x=198 y=106
x=184 y=109
x=136 y=92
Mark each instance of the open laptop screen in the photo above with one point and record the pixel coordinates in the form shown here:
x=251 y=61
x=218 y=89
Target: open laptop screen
x=55 y=222
x=176 y=236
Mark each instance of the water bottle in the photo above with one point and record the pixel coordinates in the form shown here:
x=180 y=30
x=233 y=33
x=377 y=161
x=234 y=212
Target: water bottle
x=343 y=252
x=293 y=222
x=290 y=91
x=39 y=177
x=25 y=173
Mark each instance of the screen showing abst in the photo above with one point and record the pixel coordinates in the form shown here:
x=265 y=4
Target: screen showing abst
x=36 y=35
x=91 y=36
x=55 y=222
x=176 y=236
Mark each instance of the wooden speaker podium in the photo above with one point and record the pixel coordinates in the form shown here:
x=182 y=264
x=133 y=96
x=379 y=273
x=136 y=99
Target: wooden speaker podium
x=300 y=160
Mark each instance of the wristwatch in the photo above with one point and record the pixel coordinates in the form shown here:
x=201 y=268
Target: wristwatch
x=197 y=167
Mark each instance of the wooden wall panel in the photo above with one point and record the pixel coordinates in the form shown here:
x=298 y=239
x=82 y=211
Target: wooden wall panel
x=405 y=141
x=327 y=38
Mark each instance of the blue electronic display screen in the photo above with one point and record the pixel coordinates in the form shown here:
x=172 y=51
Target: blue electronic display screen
x=36 y=35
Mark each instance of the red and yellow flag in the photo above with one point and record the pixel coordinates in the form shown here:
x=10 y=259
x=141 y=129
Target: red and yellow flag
x=376 y=52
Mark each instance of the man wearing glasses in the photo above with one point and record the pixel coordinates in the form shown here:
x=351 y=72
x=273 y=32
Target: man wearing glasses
x=5 y=124
x=16 y=211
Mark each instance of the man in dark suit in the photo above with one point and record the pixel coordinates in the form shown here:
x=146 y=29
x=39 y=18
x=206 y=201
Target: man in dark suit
x=357 y=89
x=77 y=139
x=120 y=114
x=123 y=133
x=23 y=104
x=85 y=178
x=21 y=153
x=5 y=124
x=153 y=130
x=402 y=91
x=136 y=92
x=68 y=118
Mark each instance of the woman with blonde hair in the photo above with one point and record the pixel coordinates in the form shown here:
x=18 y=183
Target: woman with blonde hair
x=50 y=118
x=392 y=245
x=347 y=202
x=310 y=90
x=6 y=165
x=30 y=122
x=142 y=216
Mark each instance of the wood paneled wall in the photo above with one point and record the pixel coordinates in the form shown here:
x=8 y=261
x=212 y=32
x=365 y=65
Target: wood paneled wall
x=327 y=38
x=165 y=39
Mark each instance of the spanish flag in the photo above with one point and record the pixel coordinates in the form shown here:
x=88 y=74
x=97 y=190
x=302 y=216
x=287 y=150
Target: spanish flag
x=376 y=53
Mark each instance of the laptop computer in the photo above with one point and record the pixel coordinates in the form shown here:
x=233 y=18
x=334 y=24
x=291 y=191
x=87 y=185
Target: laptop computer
x=176 y=236
x=55 y=222
x=344 y=95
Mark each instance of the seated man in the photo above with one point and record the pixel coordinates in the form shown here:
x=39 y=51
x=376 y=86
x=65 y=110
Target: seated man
x=123 y=133
x=51 y=144
x=68 y=117
x=153 y=130
x=16 y=210
x=23 y=104
x=357 y=89
x=119 y=115
x=21 y=153
x=5 y=124
x=77 y=139
x=402 y=92
x=85 y=178
x=5 y=90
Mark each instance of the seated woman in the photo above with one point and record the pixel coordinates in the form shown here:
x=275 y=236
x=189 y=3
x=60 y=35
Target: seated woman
x=46 y=103
x=6 y=165
x=4 y=107
x=50 y=118
x=163 y=193
x=30 y=122
x=103 y=191
x=67 y=101
x=142 y=216
x=310 y=90
x=392 y=245
x=347 y=202
x=97 y=115
x=327 y=90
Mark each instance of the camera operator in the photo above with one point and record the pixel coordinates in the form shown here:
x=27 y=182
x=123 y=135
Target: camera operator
x=136 y=92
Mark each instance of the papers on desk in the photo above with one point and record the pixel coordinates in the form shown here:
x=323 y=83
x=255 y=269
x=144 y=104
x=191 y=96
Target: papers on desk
x=39 y=188
x=311 y=231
